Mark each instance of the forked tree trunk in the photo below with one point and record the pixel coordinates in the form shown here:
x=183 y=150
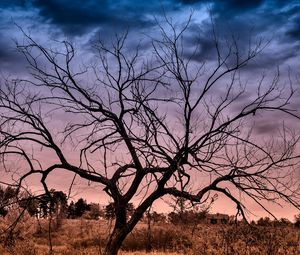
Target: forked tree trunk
x=123 y=227
x=121 y=230
x=115 y=241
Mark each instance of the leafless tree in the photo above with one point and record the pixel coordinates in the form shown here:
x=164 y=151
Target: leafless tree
x=149 y=127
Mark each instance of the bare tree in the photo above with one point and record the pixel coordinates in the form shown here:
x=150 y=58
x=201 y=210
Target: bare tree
x=148 y=127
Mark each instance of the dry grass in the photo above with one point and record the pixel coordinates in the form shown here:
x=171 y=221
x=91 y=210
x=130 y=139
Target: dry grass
x=87 y=237
x=149 y=253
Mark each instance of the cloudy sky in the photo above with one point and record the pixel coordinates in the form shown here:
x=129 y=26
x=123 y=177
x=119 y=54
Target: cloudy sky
x=83 y=22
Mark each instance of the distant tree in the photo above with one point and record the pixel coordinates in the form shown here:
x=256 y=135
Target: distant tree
x=185 y=213
x=93 y=211
x=13 y=199
x=52 y=203
x=174 y=218
x=110 y=210
x=187 y=217
x=44 y=206
x=59 y=203
x=8 y=199
x=297 y=221
x=71 y=211
x=31 y=204
x=156 y=217
x=164 y=122
x=80 y=207
x=266 y=221
x=283 y=222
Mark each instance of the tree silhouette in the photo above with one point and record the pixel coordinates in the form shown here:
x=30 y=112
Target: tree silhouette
x=9 y=199
x=94 y=211
x=71 y=211
x=80 y=207
x=52 y=203
x=110 y=210
x=297 y=221
x=150 y=125
x=266 y=221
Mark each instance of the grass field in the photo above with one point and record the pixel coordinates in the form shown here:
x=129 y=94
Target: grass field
x=88 y=237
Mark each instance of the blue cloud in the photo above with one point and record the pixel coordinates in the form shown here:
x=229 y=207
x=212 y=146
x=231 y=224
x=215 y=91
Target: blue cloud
x=75 y=16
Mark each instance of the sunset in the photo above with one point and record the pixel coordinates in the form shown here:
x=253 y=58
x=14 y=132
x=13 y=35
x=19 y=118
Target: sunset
x=117 y=112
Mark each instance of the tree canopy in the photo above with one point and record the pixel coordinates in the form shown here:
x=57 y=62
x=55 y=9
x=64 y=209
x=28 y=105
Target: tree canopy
x=146 y=124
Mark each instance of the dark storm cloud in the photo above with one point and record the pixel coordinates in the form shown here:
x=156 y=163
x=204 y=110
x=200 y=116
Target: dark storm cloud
x=233 y=7
x=274 y=20
x=76 y=16
x=240 y=17
x=220 y=6
x=13 y=3
x=294 y=31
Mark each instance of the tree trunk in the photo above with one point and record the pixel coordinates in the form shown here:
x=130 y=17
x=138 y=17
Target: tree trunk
x=123 y=227
x=115 y=241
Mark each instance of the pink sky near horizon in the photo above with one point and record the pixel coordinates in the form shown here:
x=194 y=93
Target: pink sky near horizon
x=94 y=194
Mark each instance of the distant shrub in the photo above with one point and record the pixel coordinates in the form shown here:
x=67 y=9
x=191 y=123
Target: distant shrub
x=11 y=232
x=297 y=221
x=160 y=239
x=24 y=248
x=86 y=242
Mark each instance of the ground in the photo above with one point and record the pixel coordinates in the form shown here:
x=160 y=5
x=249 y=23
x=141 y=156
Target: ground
x=87 y=237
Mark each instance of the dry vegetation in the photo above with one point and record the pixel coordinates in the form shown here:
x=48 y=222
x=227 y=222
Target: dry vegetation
x=87 y=237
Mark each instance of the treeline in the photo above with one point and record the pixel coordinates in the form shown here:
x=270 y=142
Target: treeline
x=56 y=203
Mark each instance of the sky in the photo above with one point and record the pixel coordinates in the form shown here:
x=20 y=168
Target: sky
x=83 y=22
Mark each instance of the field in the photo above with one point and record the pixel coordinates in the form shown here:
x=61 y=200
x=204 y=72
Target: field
x=87 y=237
